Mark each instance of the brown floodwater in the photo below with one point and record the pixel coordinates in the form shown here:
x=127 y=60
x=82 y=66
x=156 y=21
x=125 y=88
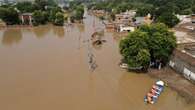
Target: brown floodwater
x=59 y=68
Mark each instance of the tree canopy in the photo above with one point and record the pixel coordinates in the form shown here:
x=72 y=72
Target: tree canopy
x=25 y=6
x=39 y=17
x=78 y=13
x=169 y=19
x=59 y=19
x=148 y=43
x=9 y=15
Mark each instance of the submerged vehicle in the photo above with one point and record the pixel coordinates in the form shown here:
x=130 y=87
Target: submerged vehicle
x=152 y=96
x=123 y=65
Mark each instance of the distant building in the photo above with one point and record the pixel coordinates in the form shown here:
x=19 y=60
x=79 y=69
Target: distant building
x=125 y=18
x=143 y=20
x=184 y=18
x=3 y=2
x=183 y=58
x=109 y=25
x=99 y=13
x=183 y=37
x=123 y=28
x=26 y=18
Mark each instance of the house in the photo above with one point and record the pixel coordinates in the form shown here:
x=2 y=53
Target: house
x=123 y=28
x=109 y=25
x=184 y=18
x=183 y=37
x=99 y=13
x=125 y=18
x=184 y=32
x=26 y=18
x=183 y=61
x=143 y=20
x=4 y=2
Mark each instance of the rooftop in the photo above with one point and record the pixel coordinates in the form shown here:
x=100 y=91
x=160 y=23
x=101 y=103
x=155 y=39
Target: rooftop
x=185 y=33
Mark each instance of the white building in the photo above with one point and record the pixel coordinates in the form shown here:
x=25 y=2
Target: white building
x=123 y=28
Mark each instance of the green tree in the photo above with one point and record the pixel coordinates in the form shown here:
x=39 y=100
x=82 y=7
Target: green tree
x=25 y=6
x=133 y=47
x=148 y=43
x=143 y=11
x=39 y=17
x=78 y=13
x=193 y=9
x=40 y=4
x=161 y=41
x=169 y=19
x=53 y=12
x=9 y=15
x=59 y=19
x=143 y=57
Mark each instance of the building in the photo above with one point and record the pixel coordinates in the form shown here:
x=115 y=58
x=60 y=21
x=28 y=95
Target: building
x=109 y=25
x=184 y=32
x=143 y=20
x=184 y=18
x=125 y=18
x=26 y=18
x=183 y=61
x=3 y=2
x=123 y=28
x=183 y=37
x=99 y=13
x=183 y=58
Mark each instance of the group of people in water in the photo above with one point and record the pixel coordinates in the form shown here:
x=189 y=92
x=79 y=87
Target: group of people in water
x=153 y=94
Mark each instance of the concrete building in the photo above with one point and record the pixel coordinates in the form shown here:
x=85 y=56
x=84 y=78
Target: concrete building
x=26 y=18
x=183 y=61
x=99 y=13
x=125 y=18
x=123 y=28
x=184 y=18
x=143 y=20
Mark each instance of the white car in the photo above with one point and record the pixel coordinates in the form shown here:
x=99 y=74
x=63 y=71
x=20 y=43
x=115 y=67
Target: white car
x=124 y=66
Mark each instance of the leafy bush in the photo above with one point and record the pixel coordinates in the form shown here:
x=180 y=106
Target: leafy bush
x=9 y=15
x=59 y=19
x=39 y=17
x=169 y=19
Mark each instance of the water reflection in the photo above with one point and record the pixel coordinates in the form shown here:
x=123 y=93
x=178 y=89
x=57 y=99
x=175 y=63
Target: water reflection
x=59 y=31
x=81 y=27
x=11 y=36
x=41 y=31
x=118 y=36
x=91 y=58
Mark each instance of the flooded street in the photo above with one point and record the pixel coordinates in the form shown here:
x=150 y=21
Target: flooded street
x=59 y=68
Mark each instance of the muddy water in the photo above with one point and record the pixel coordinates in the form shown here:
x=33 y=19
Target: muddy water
x=58 y=68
